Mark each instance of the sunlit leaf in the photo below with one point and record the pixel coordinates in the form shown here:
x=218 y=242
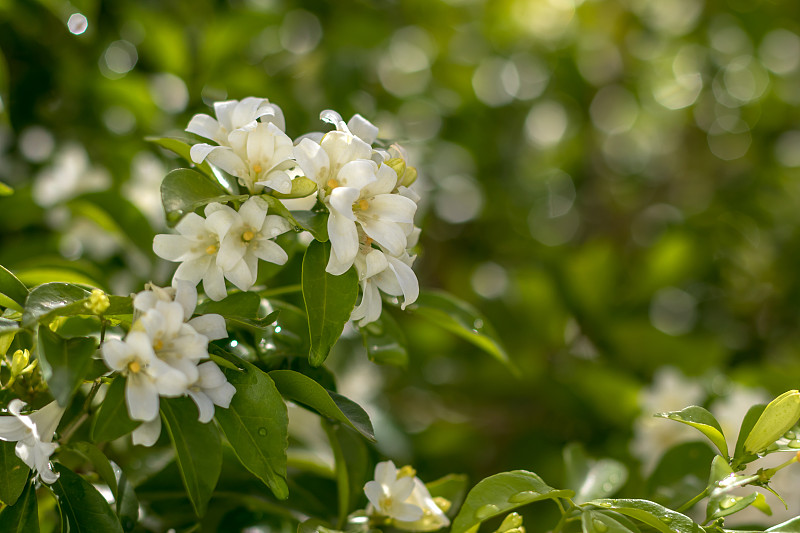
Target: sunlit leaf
x=700 y=419
x=184 y=190
x=13 y=288
x=182 y=148
x=656 y=516
x=51 y=300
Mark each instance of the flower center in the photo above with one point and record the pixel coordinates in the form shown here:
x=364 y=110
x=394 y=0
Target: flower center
x=158 y=344
x=386 y=503
x=248 y=236
x=257 y=168
x=363 y=204
x=134 y=366
x=211 y=250
x=332 y=183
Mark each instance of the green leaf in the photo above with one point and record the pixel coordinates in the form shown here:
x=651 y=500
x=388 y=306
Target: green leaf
x=599 y=522
x=352 y=467
x=457 y=316
x=315 y=221
x=682 y=471
x=198 y=450
x=184 y=190
x=301 y=187
x=13 y=473
x=790 y=526
x=329 y=300
x=5 y=190
x=51 y=300
x=183 y=149
x=304 y=390
x=82 y=507
x=99 y=461
x=591 y=479
x=385 y=342
x=23 y=516
x=64 y=362
x=239 y=308
x=13 y=288
x=501 y=493
x=703 y=421
x=256 y=425
x=112 y=420
x=729 y=505
x=656 y=516
x=748 y=422
x=126 y=504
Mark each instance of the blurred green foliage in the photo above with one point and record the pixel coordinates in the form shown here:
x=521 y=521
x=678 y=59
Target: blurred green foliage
x=614 y=184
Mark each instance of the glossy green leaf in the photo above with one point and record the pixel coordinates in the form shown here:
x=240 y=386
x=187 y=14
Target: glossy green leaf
x=457 y=316
x=303 y=390
x=184 y=190
x=182 y=148
x=729 y=505
x=198 y=450
x=13 y=473
x=64 y=362
x=329 y=300
x=8 y=327
x=112 y=420
x=501 y=493
x=739 y=455
x=315 y=221
x=301 y=187
x=52 y=300
x=256 y=425
x=599 y=522
x=13 y=288
x=780 y=415
x=239 y=308
x=591 y=479
x=703 y=421
x=656 y=516
x=22 y=516
x=790 y=526
x=82 y=507
x=385 y=341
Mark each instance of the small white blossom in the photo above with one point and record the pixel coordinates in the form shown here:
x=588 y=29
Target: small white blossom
x=210 y=389
x=433 y=518
x=33 y=434
x=388 y=494
x=233 y=115
x=378 y=271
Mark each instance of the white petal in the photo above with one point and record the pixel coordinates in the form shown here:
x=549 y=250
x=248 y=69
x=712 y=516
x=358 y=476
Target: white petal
x=369 y=310
x=375 y=493
x=388 y=234
x=12 y=429
x=363 y=128
x=375 y=262
x=173 y=247
x=220 y=220
x=231 y=252
x=253 y=212
x=147 y=433
x=261 y=145
x=406 y=512
x=407 y=279
x=357 y=174
x=402 y=488
x=312 y=160
x=241 y=276
x=211 y=326
x=186 y=296
x=141 y=397
x=204 y=405
x=116 y=354
x=224 y=112
x=344 y=243
x=221 y=395
x=269 y=251
x=341 y=201
x=214 y=283
x=193 y=270
x=386 y=179
x=204 y=126
x=273 y=226
x=199 y=152
x=46 y=420
x=385 y=473
x=226 y=159
x=277 y=180
x=344 y=147
x=391 y=208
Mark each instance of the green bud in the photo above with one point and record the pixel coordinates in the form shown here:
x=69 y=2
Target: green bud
x=98 y=302
x=19 y=361
x=409 y=177
x=397 y=164
x=778 y=417
x=511 y=522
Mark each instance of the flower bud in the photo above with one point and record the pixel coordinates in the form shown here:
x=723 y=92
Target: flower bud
x=98 y=302
x=442 y=503
x=510 y=523
x=778 y=417
x=406 y=471
x=19 y=361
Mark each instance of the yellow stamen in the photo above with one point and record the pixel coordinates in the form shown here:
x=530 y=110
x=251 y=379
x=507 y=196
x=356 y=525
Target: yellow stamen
x=158 y=344
x=134 y=366
x=211 y=250
x=256 y=168
x=406 y=471
x=363 y=204
x=248 y=236
x=332 y=183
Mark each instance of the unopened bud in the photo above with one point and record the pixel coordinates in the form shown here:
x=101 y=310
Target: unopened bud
x=511 y=522
x=442 y=503
x=778 y=417
x=409 y=177
x=19 y=361
x=397 y=164
x=98 y=302
x=406 y=471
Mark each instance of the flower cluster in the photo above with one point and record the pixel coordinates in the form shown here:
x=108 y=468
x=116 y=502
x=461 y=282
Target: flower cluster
x=401 y=496
x=33 y=434
x=364 y=188
x=162 y=354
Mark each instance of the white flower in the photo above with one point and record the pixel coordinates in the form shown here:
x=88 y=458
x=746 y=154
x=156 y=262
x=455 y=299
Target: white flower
x=211 y=325
x=33 y=434
x=233 y=115
x=147 y=433
x=196 y=247
x=388 y=494
x=247 y=239
x=210 y=389
x=148 y=377
x=378 y=271
x=433 y=518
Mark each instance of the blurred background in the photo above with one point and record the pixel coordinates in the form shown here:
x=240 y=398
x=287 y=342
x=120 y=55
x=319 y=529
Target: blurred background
x=614 y=184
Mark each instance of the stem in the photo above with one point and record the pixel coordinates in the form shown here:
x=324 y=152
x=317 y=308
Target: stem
x=81 y=419
x=693 y=501
x=564 y=513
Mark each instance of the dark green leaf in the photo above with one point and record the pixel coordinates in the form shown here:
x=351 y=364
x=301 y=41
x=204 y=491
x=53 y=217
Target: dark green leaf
x=50 y=300
x=599 y=522
x=304 y=390
x=126 y=504
x=352 y=467
x=198 y=450
x=13 y=473
x=656 y=516
x=457 y=316
x=256 y=425
x=329 y=300
x=183 y=149
x=99 y=461
x=184 y=190
x=239 y=308
x=13 y=288
x=112 y=420
x=703 y=421
x=501 y=493
x=592 y=479
x=23 y=516
x=82 y=507
x=385 y=342
x=64 y=362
